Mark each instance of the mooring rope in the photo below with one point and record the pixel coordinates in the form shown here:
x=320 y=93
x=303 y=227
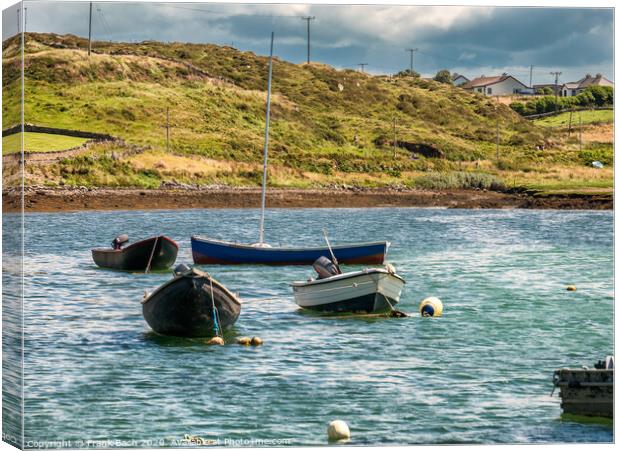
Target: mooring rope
x=216 y=315
x=148 y=267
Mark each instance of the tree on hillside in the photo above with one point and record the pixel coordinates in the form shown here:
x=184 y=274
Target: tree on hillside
x=443 y=76
x=408 y=73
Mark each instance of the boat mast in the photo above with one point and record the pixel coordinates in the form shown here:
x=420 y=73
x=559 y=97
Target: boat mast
x=262 y=208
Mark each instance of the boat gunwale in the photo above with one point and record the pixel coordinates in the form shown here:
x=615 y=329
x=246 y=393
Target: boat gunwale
x=199 y=238
x=193 y=273
x=122 y=249
x=345 y=276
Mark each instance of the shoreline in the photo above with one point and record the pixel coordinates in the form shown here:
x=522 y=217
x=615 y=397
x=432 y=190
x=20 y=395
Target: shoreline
x=39 y=199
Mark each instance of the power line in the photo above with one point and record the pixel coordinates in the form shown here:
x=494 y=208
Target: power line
x=220 y=13
x=105 y=23
x=362 y=65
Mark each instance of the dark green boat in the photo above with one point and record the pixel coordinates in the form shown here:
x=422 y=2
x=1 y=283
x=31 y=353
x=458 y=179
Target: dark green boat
x=191 y=304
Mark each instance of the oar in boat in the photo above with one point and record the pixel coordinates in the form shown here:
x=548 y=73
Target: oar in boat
x=329 y=246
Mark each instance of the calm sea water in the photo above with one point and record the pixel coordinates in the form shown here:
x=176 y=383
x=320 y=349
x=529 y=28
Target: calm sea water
x=479 y=374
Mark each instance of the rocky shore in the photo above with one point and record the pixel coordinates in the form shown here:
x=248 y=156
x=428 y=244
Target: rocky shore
x=42 y=199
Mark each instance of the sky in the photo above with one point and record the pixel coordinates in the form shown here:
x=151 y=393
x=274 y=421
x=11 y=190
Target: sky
x=473 y=41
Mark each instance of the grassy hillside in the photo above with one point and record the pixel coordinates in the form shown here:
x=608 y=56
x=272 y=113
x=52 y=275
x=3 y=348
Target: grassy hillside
x=328 y=126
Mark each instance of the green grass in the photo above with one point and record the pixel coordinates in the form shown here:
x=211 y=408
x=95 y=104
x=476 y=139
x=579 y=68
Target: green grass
x=39 y=142
x=587 y=117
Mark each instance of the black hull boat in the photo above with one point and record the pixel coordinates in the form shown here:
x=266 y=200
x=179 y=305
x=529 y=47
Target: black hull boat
x=155 y=253
x=192 y=304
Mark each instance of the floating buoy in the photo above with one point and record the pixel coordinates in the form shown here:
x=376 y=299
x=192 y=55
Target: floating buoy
x=216 y=341
x=245 y=341
x=571 y=288
x=256 y=341
x=338 y=430
x=431 y=306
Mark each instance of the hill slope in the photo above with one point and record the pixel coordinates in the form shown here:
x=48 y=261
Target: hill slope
x=328 y=126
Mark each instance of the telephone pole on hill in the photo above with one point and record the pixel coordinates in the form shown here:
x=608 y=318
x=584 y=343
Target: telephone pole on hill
x=308 y=19
x=497 y=130
x=411 y=52
x=557 y=75
x=167 y=129
x=90 y=25
x=362 y=65
x=395 y=142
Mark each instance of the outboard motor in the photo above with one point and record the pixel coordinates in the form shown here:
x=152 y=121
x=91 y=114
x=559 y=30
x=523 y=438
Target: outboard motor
x=325 y=267
x=181 y=269
x=119 y=241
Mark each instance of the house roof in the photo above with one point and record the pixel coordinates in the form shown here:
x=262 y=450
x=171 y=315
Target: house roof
x=588 y=80
x=598 y=80
x=573 y=85
x=457 y=76
x=487 y=81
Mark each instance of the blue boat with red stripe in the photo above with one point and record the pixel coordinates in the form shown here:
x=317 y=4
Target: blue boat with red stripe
x=212 y=251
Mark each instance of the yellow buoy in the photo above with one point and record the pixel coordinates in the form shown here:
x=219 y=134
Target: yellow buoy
x=431 y=306
x=338 y=430
x=216 y=341
x=245 y=341
x=571 y=288
x=256 y=341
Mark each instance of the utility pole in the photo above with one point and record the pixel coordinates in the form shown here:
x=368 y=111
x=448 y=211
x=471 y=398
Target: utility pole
x=395 y=142
x=308 y=19
x=90 y=25
x=497 y=131
x=167 y=129
x=497 y=144
x=411 y=52
x=362 y=65
x=557 y=75
x=580 y=131
x=531 y=69
x=570 y=122
x=18 y=26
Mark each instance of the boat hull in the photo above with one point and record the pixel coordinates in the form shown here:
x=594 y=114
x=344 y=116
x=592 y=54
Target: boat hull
x=368 y=291
x=586 y=392
x=208 y=251
x=136 y=256
x=183 y=307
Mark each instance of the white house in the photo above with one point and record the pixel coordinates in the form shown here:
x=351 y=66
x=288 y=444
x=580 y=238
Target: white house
x=501 y=85
x=577 y=87
x=458 y=79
